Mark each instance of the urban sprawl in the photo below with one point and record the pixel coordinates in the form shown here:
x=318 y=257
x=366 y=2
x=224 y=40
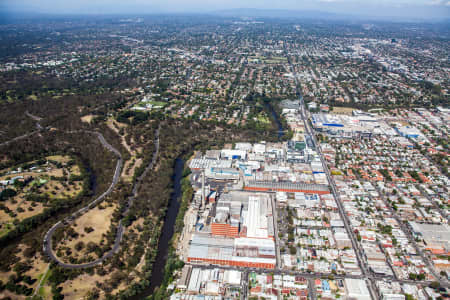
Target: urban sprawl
x=349 y=201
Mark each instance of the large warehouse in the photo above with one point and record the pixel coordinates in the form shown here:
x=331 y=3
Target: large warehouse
x=242 y=233
x=242 y=252
x=351 y=126
x=292 y=187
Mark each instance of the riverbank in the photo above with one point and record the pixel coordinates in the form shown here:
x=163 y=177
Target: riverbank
x=165 y=249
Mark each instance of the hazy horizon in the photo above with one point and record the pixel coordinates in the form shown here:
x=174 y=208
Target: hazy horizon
x=412 y=9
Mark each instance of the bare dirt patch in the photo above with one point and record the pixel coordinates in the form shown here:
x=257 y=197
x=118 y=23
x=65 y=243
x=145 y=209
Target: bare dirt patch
x=7 y=294
x=79 y=287
x=87 y=118
x=114 y=125
x=75 y=170
x=129 y=168
x=343 y=110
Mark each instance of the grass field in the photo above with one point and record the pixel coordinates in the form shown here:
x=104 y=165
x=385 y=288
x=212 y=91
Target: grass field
x=263 y=119
x=343 y=110
x=59 y=158
x=36 y=272
x=158 y=103
x=96 y=218
x=36 y=180
x=79 y=287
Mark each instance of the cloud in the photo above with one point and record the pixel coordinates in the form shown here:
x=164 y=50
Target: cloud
x=439 y=3
x=400 y=8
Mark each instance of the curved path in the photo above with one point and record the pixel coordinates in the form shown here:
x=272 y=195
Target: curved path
x=47 y=247
x=38 y=127
x=150 y=166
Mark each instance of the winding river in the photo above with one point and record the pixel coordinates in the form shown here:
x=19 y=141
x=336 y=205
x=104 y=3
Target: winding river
x=166 y=233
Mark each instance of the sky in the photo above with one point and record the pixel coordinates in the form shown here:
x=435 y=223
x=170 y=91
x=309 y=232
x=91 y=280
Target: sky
x=419 y=9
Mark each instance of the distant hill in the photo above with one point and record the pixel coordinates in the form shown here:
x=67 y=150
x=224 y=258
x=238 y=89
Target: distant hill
x=278 y=13
x=395 y=15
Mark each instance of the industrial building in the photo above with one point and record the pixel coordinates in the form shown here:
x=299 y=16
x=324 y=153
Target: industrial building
x=270 y=186
x=351 y=126
x=436 y=237
x=209 y=283
x=357 y=289
x=241 y=252
x=207 y=163
x=409 y=132
x=243 y=214
x=242 y=233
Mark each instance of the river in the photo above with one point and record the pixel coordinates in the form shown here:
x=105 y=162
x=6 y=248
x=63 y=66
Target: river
x=277 y=121
x=170 y=218
x=167 y=232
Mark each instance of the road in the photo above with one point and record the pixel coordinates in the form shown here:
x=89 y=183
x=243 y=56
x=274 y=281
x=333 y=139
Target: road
x=47 y=243
x=307 y=275
x=443 y=213
x=275 y=225
x=23 y=136
x=47 y=247
x=38 y=287
x=150 y=166
x=244 y=285
x=19 y=138
x=331 y=182
x=411 y=238
x=310 y=132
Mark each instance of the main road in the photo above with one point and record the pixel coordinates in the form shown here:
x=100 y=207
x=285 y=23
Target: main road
x=359 y=255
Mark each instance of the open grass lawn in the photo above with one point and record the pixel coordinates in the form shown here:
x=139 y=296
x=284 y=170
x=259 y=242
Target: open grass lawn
x=45 y=292
x=158 y=103
x=99 y=220
x=273 y=60
x=59 y=158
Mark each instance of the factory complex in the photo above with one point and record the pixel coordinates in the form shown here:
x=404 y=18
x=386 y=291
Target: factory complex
x=235 y=199
x=354 y=213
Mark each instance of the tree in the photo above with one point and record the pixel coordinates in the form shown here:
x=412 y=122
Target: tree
x=409 y=297
x=435 y=285
x=292 y=250
x=79 y=245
